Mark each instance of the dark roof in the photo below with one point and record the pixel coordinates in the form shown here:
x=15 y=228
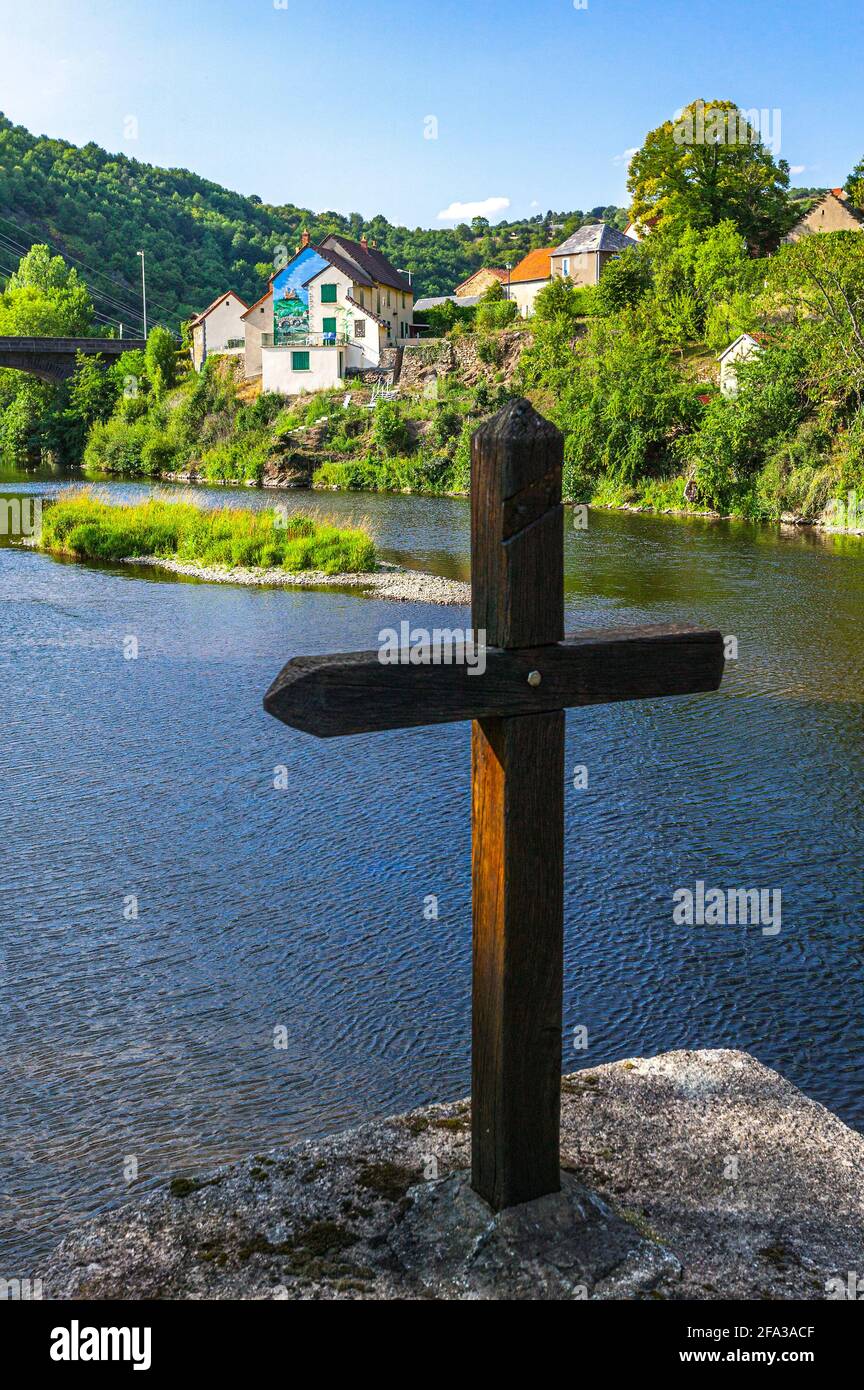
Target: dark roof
x=597 y=236
x=354 y=272
x=371 y=261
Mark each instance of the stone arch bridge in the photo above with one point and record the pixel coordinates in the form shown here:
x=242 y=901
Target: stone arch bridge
x=53 y=359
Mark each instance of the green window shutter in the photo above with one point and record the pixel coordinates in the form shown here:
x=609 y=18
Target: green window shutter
x=328 y=294
x=299 y=361
x=329 y=326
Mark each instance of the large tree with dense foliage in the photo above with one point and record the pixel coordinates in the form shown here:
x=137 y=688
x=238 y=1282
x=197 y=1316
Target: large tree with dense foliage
x=710 y=166
x=46 y=297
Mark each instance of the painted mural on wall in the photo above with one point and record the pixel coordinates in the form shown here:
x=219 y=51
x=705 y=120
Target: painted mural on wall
x=291 y=296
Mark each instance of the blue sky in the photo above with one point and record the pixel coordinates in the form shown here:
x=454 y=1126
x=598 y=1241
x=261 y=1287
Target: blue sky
x=325 y=103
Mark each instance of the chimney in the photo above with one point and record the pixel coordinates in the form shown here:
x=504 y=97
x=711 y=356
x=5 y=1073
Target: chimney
x=304 y=240
x=364 y=243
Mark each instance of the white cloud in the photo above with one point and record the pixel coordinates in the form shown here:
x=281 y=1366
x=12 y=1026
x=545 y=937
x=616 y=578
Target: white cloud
x=462 y=212
x=797 y=168
x=625 y=156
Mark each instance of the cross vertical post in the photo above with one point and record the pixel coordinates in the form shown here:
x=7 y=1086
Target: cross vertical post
x=517 y=568
x=531 y=674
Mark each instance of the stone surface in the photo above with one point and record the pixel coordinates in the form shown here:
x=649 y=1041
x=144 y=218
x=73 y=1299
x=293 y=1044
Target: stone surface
x=690 y=1175
x=388 y=581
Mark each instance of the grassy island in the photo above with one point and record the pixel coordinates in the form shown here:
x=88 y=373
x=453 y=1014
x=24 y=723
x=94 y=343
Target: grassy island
x=85 y=525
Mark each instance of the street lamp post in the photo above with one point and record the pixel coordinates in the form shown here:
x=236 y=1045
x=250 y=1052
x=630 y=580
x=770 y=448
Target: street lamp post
x=143 y=291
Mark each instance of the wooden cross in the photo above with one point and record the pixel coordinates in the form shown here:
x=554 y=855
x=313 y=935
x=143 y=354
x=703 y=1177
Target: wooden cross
x=533 y=673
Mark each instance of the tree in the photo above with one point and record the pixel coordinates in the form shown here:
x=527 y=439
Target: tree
x=854 y=185
x=711 y=166
x=560 y=301
x=45 y=298
x=160 y=360
x=820 y=281
x=493 y=293
x=626 y=279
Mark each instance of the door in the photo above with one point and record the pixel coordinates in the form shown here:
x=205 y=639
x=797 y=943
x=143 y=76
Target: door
x=329 y=330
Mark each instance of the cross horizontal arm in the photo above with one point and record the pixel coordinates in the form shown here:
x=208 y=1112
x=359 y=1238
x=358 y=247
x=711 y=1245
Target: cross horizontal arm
x=356 y=693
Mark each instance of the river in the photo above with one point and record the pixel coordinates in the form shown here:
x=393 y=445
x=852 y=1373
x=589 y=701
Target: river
x=138 y=1037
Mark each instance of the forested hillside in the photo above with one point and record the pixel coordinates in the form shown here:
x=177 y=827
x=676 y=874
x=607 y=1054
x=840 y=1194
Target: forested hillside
x=201 y=239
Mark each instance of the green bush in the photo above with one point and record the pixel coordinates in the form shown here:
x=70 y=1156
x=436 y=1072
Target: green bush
x=117 y=446
x=390 y=434
x=83 y=524
x=495 y=313
x=737 y=434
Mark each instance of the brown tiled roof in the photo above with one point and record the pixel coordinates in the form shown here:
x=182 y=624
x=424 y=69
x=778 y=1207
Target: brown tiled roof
x=199 y=318
x=370 y=260
x=536 y=265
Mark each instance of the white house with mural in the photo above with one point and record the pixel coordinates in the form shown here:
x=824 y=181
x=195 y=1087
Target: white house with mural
x=333 y=308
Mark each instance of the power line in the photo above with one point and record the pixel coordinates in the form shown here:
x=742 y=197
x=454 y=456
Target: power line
x=7 y=271
x=67 y=255
x=7 y=243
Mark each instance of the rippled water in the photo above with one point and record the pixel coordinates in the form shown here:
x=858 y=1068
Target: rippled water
x=151 y=1039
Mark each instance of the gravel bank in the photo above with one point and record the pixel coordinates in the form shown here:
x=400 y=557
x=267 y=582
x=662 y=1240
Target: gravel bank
x=409 y=586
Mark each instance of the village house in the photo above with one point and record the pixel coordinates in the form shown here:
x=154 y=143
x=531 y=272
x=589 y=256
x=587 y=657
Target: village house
x=744 y=346
x=218 y=328
x=480 y=281
x=528 y=278
x=833 y=213
x=584 y=256
x=332 y=309
x=257 y=320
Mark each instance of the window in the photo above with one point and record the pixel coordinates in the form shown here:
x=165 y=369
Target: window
x=328 y=294
x=299 y=361
x=565 y=266
x=359 y=328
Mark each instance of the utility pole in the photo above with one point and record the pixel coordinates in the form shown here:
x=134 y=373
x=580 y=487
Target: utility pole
x=143 y=291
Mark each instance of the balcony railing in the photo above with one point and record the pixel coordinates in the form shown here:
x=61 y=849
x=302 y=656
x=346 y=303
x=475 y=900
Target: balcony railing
x=300 y=340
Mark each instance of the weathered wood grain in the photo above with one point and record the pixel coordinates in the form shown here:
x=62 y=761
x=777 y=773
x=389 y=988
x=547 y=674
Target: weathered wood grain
x=517 y=815
x=517 y=529
x=353 y=693
x=518 y=887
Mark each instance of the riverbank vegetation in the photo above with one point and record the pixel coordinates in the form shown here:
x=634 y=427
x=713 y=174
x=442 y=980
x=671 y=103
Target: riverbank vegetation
x=84 y=525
